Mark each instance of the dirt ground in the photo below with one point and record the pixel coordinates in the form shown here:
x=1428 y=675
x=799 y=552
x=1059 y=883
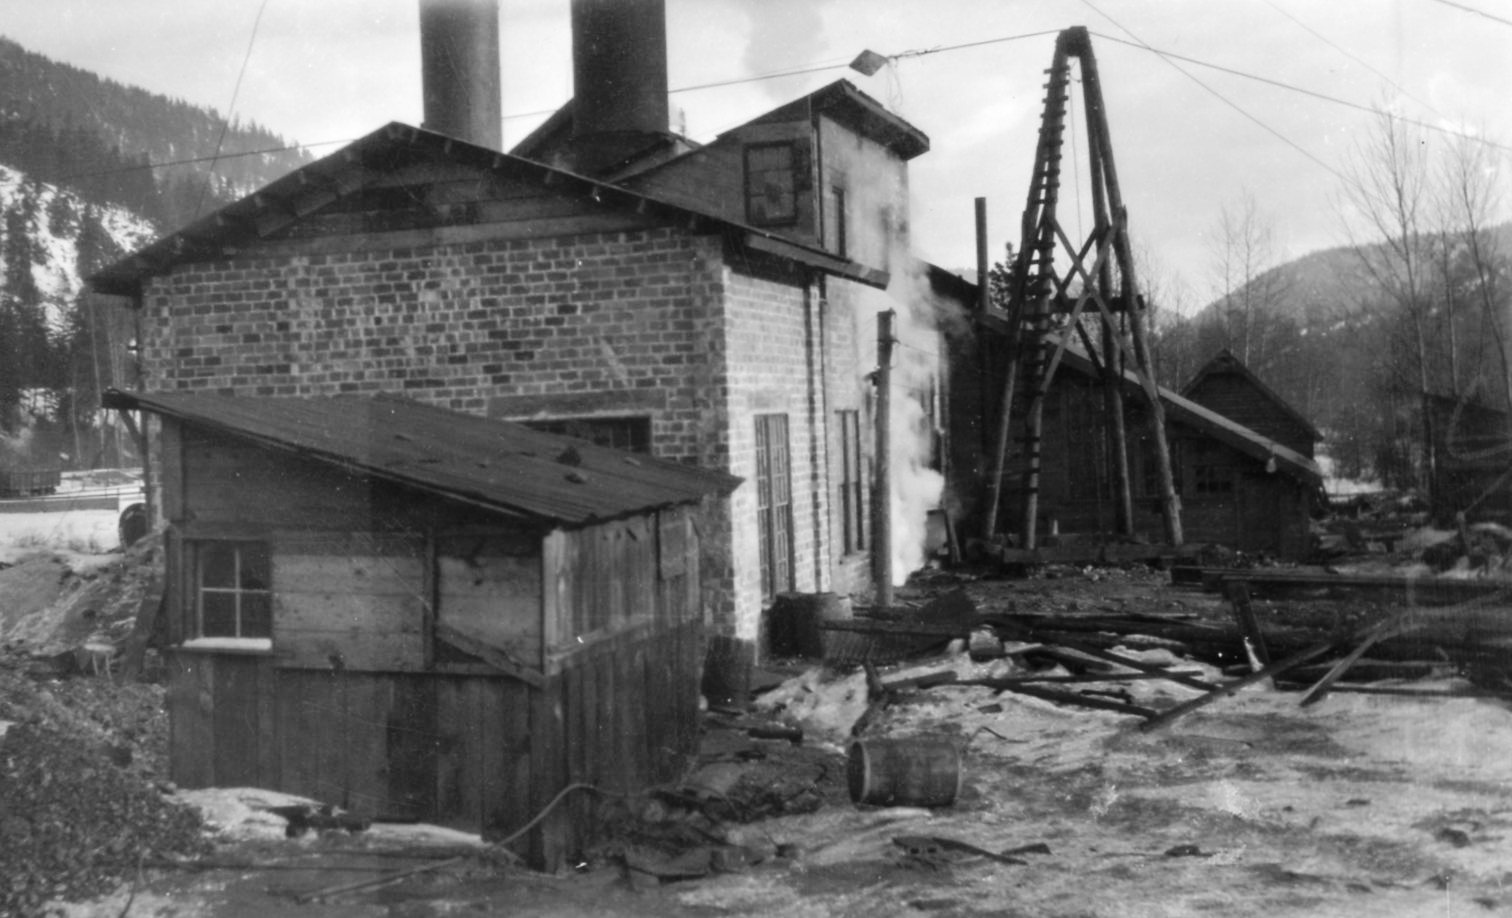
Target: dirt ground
x=1360 y=805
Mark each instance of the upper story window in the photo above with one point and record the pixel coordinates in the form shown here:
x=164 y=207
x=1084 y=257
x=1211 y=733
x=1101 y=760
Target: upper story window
x=233 y=595
x=838 y=239
x=771 y=184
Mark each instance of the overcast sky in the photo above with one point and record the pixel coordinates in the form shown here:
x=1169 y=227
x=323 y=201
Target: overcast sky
x=1188 y=138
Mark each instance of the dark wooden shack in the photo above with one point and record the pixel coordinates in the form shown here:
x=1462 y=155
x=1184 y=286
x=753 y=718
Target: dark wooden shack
x=1230 y=388
x=1238 y=486
x=420 y=614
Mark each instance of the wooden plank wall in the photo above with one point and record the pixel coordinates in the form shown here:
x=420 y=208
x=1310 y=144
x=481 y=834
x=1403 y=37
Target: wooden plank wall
x=356 y=598
x=480 y=752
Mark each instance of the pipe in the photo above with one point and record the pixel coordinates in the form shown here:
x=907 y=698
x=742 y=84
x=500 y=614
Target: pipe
x=459 y=70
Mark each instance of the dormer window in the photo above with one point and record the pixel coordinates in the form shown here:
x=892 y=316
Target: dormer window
x=771 y=184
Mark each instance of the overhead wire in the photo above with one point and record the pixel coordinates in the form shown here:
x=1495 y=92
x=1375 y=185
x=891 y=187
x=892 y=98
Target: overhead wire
x=1471 y=9
x=1171 y=61
x=231 y=108
x=1169 y=56
x=1354 y=57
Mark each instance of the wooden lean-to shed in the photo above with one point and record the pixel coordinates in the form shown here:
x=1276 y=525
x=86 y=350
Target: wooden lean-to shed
x=415 y=613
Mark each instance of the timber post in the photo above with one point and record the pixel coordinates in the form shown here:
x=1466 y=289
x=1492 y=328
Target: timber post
x=882 y=485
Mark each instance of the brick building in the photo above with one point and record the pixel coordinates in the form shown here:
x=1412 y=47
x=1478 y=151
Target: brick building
x=712 y=305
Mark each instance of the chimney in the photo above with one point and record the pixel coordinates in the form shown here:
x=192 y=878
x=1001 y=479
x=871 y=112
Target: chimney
x=459 y=70
x=619 y=76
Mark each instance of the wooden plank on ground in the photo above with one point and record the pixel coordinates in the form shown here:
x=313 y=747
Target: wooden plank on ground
x=1167 y=717
x=1244 y=614
x=903 y=627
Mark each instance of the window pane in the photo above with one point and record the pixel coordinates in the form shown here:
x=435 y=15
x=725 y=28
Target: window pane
x=218 y=614
x=254 y=566
x=779 y=156
x=257 y=615
x=218 y=564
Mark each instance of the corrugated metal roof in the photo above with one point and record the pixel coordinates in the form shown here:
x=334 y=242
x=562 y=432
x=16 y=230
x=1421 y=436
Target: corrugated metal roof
x=497 y=464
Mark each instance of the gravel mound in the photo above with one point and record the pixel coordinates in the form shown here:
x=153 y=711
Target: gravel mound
x=75 y=820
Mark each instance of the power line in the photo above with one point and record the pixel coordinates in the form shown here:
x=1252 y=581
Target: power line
x=1173 y=56
x=921 y=52
x=1471 y=9
x=231 y=109
x=1215 y=93
x=1358 y=60
x=970 y=44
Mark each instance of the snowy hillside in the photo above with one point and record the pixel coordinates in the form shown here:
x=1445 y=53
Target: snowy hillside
x=58 y=233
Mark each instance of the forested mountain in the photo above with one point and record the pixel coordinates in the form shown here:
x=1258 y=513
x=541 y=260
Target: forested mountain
x=109 y=142
x=1353 y=340
x=91 y=170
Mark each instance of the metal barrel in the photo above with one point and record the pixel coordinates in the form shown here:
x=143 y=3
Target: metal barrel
x=918 y=771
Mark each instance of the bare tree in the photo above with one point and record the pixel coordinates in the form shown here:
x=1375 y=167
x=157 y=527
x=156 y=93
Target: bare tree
x=1469 y=200
x=1385 y=193
x=1250 y=290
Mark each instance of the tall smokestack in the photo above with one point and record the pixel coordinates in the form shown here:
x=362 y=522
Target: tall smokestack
x=619 y=76
x=459 y=69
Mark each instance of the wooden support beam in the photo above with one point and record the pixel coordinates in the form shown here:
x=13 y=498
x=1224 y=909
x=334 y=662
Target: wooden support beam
x=1165 y=718
x=1249 y=625
x=493 y=656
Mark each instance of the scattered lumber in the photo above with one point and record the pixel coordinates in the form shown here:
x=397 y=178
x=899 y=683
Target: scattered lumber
x=1397 y=624
x=1074 y=698
x=385 y=880
x=1169 y=716
x=1420 y=591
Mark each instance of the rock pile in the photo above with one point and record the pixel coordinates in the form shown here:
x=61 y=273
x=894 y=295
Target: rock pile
x=75 y=820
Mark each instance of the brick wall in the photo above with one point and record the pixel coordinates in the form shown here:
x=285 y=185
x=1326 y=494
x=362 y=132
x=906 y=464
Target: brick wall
x=456 y=325
x=624 y=321
x=772 y=350
x=849 y=356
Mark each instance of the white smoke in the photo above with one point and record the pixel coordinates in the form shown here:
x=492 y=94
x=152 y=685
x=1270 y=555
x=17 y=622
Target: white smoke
x=915 y=413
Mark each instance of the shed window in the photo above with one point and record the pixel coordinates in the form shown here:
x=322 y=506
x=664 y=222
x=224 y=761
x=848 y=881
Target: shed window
x=771 y=184
x=233 y=590
x=1212 y=479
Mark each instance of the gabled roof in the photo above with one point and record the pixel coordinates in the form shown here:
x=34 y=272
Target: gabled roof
x=365 y=163
x=1183 y=410
x=1226 y=362
x=494 y=464
x=853 y=108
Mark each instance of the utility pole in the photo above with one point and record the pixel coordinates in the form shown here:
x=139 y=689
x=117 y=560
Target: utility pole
x=882 y=480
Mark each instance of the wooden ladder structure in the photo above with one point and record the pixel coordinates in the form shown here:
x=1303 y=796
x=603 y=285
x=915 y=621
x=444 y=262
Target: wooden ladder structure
x=1042 y=297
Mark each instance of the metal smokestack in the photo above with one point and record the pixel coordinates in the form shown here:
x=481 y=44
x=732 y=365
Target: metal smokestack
x=459 y=70
x=619 y=75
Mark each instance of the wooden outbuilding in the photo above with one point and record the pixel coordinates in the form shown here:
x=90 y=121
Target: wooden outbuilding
x=415 y=613
x=1249 y=489
x=1227 y=386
